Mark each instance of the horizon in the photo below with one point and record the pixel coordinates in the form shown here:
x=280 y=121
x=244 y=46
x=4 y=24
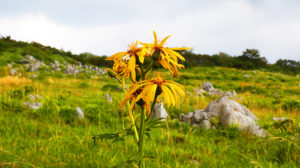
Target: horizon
x=209 y=27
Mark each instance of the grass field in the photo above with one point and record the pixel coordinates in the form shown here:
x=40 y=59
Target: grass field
x=52 y=137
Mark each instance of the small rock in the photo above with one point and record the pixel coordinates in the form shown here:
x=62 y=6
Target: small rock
x=207 y=86
x=9 y=65
x=230 y=94
x=108 y=97
x=246 y=76
x=34 y=97
x=13 y=72
x=33 y=106
x=159 y=111
x=186 y=117
x=79 y=113
x=30 y=58
x=205 y=124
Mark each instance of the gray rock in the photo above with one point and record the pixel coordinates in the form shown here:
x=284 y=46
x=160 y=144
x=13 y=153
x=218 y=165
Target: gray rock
x=79 y=113
x=246 y=76
x=35 y=65
x=230 y=94
x=34 y=97
x=207 y=86
x=30 y=58
x=71 y=70
x=13 y=72
x=56 y=66
x=187 y=117
x=108 y=97
x=229 y=112
x=159 y=111
x=205 y=124
x=215 y=92
x=33 y=106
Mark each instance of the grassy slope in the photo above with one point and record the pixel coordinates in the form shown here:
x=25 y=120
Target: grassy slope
x=13 y=51
x=49 y=137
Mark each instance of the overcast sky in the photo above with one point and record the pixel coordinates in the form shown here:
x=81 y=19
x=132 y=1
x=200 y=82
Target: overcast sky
x=209 y=26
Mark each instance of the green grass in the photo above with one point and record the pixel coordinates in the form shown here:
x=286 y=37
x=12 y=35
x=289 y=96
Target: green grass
x=51 y=137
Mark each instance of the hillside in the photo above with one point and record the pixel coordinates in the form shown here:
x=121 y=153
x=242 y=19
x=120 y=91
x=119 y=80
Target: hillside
x=12 y=51
x=54 y=106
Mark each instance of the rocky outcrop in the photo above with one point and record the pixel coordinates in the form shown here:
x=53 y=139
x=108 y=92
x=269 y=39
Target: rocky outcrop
x=229 y=113
x=32 y=64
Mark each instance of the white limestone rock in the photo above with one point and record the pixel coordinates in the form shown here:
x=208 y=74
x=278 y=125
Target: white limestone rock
x=229 y=113
x=13 y=72
x=207 y=86
x=159 y=111
x=79 y=113
x=108 y=97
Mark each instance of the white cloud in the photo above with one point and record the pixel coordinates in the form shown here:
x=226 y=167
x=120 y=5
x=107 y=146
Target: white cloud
x=230 y=26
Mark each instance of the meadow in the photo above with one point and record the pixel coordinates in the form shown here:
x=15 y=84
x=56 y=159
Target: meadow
x=52 y=137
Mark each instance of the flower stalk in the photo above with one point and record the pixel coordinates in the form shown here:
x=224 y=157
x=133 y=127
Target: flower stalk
x=135 y=64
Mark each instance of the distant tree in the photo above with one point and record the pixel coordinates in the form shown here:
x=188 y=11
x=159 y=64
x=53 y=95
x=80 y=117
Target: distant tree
x=252 y=56
x=251 y=53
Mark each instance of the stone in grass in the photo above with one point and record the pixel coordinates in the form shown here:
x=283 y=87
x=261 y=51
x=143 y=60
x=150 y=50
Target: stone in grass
x=159 y=111
x=34 y=97
x=33 y=106
x=13 y=72
x=186 y=117
x=207 y=86
x=79 y=113
x=108 y=97
x=229 y=112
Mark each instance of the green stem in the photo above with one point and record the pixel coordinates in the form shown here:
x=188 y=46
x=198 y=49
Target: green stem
x=149 y=67
x=141 y=142
x=153 y=103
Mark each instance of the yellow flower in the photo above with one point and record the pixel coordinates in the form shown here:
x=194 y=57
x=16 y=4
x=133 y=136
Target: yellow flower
x=168 y=57
x=130 y=56
x=144 y=93
x=120 y=67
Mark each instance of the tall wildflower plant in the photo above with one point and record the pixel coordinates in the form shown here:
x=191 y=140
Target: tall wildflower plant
x=143 y=93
